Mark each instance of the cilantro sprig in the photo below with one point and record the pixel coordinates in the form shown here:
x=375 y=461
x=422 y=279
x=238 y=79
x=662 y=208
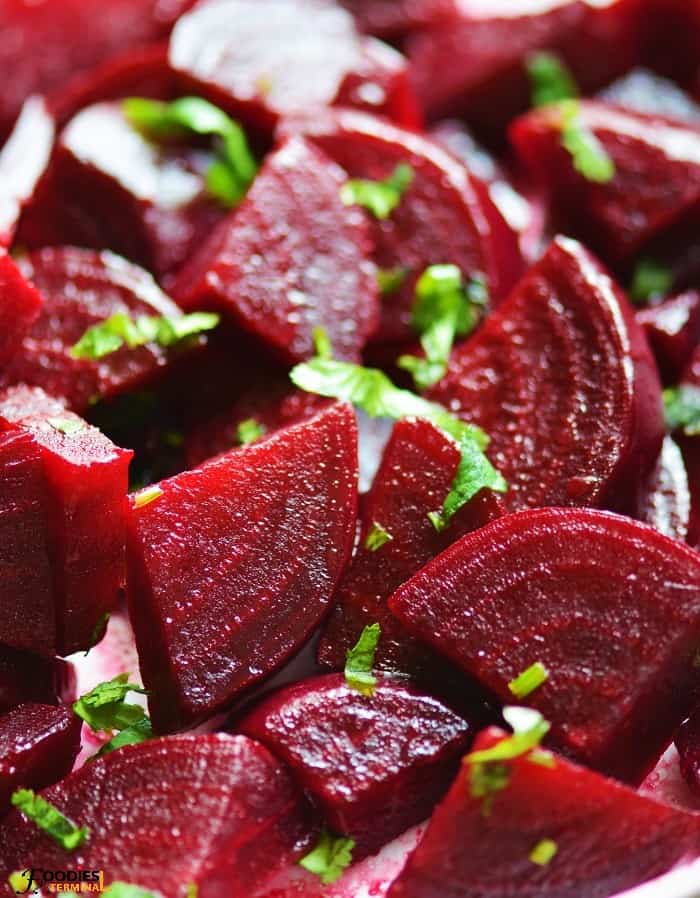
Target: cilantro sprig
x=249 y=431
x=650 y=280
x=359 y=661
x=378 y=197
x=529 y=680
x=377 y=536
x=69 y=427
x=234 y=169
x=550 y=79
x=49 y=819
x=682 y=409
x=544 y=852
x=588 y=154
x=105 y=710
x=329 y=859
x=389 y=280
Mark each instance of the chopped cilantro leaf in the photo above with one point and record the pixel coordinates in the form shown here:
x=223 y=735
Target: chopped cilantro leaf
x=377 y=537
x=145 y=497
x=192 y=890
x=234 y=169
x=389 y=280
x=550 y=79
x=138 y=732
x=485 y=780
x=330 y=858
x=360 y=661
x=529 y=680
x=49 y=819
x=650 y=280
x=379 y=197
x=104 y=708
x=543 y=852
x=67 y=426
x=99 y=631
x=587 y=152
x=249 y=431
x=682 y=409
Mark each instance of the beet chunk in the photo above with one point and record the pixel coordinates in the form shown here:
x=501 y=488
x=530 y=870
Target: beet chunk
x=38 y=745
x=606 y=837
x=393 y=18
x=234 y=565
x=656 y=182
x=666 y=496
x=291 y=258
x=20 y=306
x=82 y=288
x=417 y=471
x=63 y=520
x=374 y=765
x=688 y=744
x=672 y=328
x=609 y=606
x=444 y=216
x=26 y=678
x=561 y=378
x=218 y=812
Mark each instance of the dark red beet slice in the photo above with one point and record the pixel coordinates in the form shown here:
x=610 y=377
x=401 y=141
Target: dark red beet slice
x=217 y=812
x=444 y=216
x=673 y=331
x=30 y=678
x=609 y=606
x=63 y=518
x=82 y=288
x=19 y=308
x=38 y=745
x=393 y=18
x=263 y=535
x=562 y=379
x=666 y=497
x=415 y=475
x=688 y=744
x=290 y=259
x=373 y=765
x=656 y=183
x=607 y=838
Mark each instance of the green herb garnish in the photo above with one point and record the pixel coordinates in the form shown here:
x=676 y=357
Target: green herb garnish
x=249 y=431
x=588 y=154
x=104 y=708
x=67 y=426
x=234 y=169
x=378 y=197
x=145 y=497
x=550 y=79
x=389 y=280
x=650 y=280
x=543 y=852
x=98 y=631
x=330 y=858
x=529 y=680
x=377 y=537
x=682 y=409
x=49 y=819
x=360 y=661
x=139 y=732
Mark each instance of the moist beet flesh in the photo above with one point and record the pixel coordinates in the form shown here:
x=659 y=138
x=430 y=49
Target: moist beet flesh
x=373 y=765
x=608 y=838
x=687 y=742
x=666 y=496
x=561 y=378
x=21 y=306
x=673 y=330
x=233 y=566
x=609 y=606
x=217 y=812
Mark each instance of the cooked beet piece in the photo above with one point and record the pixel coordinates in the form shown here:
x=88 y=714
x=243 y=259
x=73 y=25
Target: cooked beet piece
x=444 y=216
x=673 y=330
x=609 y=606
x=63 y=518
x=30 y=678
x=374 y=765
x=688 y=744
x=290 y=259
x=217 y=812
x=81 y=288
x=665 y=502
x=20 y=306
x=656 y=183
x=393 y=18
x=605 y=837
x=234 y=565
x=561 y=378
x=38 y=745
x=415 y=476
x=282 y=57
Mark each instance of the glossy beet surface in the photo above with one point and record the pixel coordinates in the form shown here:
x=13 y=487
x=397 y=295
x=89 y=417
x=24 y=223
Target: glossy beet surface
x=445 y=215
x=610 y=607
x=373 y=765
x=19 y=309
x=63 y=524
x=392 y=18
x=214 y=811
x=38 y=745
x=665 y=500
x=607 y=838
x=234 y=565
x=30 y=678
x=688 y=744
x=81 y=288
x=561 y=378
x=673 y=330
x=400 y=501
x=290 y=259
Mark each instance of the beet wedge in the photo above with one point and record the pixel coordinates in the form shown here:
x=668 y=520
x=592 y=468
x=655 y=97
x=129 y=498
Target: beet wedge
x=26 y=678
x=416 y=473
x=217 y=812
x=609 y=606
x=552 y=830
x=656 y=184
x=82 y=288
x=263 y=535
x=666 y=496
x=290 y=259
x=374 y=765
x=562 y=379
x=687 y=742
x=38 y=745
x=673 y=330
x=20 y=306
x=444 y=216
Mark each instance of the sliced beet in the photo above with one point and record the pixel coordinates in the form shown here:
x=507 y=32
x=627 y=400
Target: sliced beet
x=31 y=678
x=445 y=215
x=38 y=745
x=416 y=473
x=393 y=18
x=20 y=306
x=374 y=765
x=665 y=500
x=609 y=606
x=234 y=565
x=672 y=328
x=290 y=259
x=561 y=378
x=656 y=183
x=216 y=812
x=606 y=838
x=82 y=288
x=63 y=518
x=688 y=744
